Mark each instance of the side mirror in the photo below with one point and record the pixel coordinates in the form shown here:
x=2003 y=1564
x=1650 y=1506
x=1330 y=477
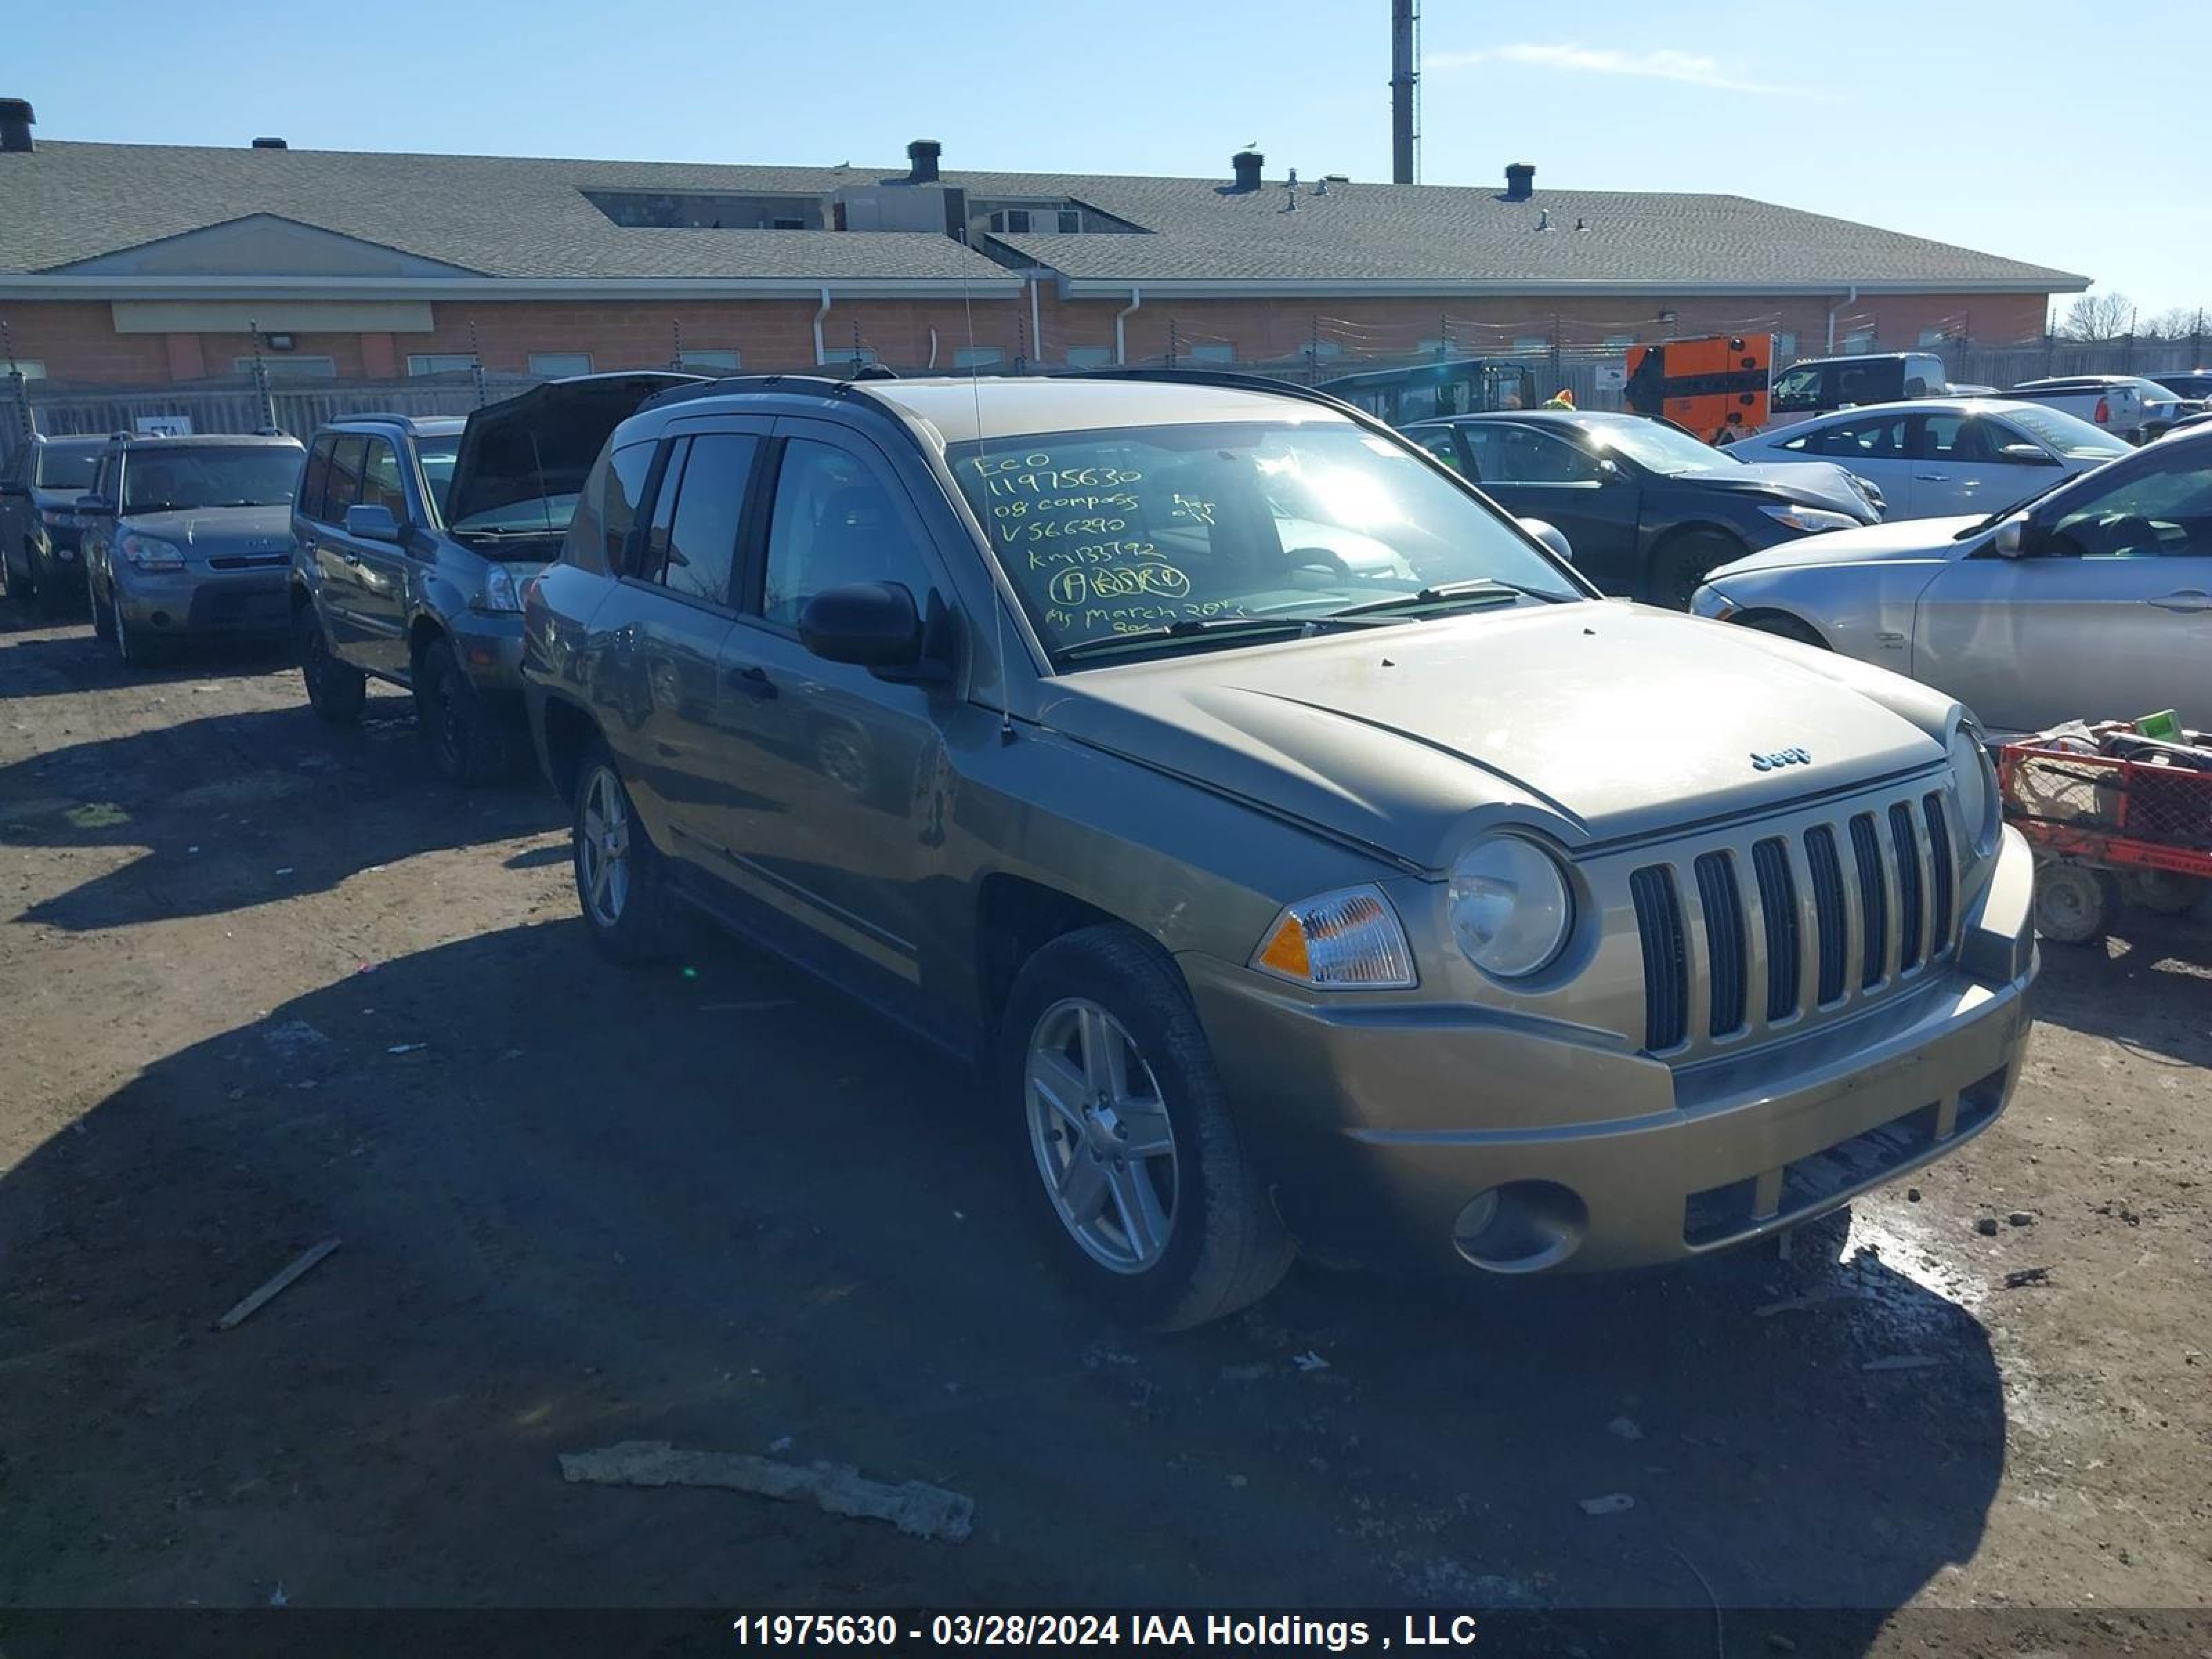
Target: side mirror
x=874 y=624
x=372 y=521
x=1609 y=472
x=1551 y=537
x=2029 y=455
x=2011 y=540
x=93 y=506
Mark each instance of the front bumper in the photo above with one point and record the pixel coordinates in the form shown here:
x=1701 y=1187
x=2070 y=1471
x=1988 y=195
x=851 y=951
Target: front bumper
x=196 y=600
x=1380 y=1124
x=490 y=643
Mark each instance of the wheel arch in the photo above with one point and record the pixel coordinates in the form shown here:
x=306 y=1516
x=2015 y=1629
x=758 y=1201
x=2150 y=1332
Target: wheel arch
x=1757 y=615
x=569 y=730
x=1015 y=918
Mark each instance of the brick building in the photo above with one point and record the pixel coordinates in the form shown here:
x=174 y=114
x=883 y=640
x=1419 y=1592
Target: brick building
x=155 y=266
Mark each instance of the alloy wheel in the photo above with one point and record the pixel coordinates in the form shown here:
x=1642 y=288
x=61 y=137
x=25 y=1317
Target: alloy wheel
x=1099 y=1128
x=603 y=850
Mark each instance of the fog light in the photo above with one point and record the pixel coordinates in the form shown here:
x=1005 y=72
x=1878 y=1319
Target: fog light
x=1522 y=1227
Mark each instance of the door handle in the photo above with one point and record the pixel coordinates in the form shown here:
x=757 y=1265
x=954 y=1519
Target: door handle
x=2188 y=600
x=753 y=682
x=1932 y=477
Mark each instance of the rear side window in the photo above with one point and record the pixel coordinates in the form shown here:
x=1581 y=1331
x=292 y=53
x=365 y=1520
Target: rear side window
x=1879 y=382
x=710 y=500
x=606 y=510
x=315 y=482
x=345 y=490
x=380 y=481
x=1878 y=438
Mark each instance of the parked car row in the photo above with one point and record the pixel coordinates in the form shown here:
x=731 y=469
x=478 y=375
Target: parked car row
x=1228 y=778
x=2135 y=407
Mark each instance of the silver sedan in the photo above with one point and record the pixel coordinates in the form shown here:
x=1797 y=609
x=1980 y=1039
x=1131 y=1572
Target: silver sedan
x=1935 y=456
x=2092 y=601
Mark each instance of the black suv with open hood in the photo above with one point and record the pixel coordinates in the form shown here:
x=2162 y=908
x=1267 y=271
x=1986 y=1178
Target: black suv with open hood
x=412 y=540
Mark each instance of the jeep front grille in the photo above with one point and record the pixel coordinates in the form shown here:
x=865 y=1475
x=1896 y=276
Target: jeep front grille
x=1732 y=934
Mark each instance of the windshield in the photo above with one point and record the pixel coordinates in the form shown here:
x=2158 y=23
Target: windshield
x=160 y=480
x=1662 y=448
x=1128 y=531
x=68 y=466
x=2075 y=438
x=436 y=455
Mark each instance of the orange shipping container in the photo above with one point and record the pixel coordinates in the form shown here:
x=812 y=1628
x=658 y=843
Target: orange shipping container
x=1715 y=386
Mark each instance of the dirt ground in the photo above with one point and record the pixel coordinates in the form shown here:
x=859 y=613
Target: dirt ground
x=264 y=984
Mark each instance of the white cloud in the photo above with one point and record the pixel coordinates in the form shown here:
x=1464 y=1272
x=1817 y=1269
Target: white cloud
x=1663 y=63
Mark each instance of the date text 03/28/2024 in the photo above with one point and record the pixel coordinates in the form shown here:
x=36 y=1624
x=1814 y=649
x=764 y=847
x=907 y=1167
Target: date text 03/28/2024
x=1097 y=1630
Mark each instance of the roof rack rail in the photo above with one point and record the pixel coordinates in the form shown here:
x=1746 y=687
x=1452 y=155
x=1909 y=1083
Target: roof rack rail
x=825 y=386
x=1226 y=378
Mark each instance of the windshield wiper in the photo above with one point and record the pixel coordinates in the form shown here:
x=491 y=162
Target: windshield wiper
x=1193 y=628
x=1487 y=589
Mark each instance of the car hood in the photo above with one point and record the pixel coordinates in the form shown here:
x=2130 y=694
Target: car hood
x=542 y=442
x=205 y=532
x=1812 y=483
x=1591 y=721
x=1905 y=539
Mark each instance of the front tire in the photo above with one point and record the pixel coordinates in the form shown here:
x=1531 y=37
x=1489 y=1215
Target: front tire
x=335 y=692
x=103 y=623
x=1681 y=564
x=1142 y=1186
x=622 y=880
x=468 y=745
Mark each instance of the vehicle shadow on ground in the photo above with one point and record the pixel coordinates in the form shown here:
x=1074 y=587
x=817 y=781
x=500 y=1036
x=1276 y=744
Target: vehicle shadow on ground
x=706 y=1204
x=232 y=810
x=44 y=658
x=2147 y=987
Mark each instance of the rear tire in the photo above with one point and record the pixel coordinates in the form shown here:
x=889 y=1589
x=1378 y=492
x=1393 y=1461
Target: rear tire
x=2165 y=892
x=335 y=692
x=622 y=880
x=1101 y=1053
x=2074 y=903
x=468 y=744
x=1682 y=563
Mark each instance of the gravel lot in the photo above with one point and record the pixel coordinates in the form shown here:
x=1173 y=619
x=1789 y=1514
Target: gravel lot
x=265 y=983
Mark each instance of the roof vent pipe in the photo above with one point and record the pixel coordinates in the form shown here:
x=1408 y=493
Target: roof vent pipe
x=16 y=120
x=921 y=161
x=1248 y=163
x=270 y=143
x=1520 y=181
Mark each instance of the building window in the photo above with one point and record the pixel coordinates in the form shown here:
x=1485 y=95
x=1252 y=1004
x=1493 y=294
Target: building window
x=727 y=361
x=1435 y=348
x=1530 y=345
x=30 y=369
x=977 y=357
x=1011 y=221
x=1213 y=354
x=1785 y=347
x=841 y=356
x=1932 y=338
x=289 y=367
x=1324 y=351
x=440 y=362
x=1858 y=340
x=1070 y=221
x=556 y=365
x=1090 y=357
x=1619 y=341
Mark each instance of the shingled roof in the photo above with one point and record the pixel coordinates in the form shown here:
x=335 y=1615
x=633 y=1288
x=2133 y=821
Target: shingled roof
x=524 y=218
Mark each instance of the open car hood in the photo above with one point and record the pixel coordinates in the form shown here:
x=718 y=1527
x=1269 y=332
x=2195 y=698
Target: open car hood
x=541 y=442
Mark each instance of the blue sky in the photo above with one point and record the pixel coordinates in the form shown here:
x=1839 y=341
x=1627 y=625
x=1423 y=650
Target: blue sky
x=2016 y=126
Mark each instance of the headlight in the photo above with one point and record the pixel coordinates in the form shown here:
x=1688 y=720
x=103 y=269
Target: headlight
x=498 y=593
x=1810 y=519
x=1510 y=908
x=1711 y=604
x=1349 y=939
x=1976 y=781
x=56 y=519
x=151 y=552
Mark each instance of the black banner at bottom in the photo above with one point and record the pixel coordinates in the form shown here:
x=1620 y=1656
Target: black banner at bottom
x=666 y=1633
